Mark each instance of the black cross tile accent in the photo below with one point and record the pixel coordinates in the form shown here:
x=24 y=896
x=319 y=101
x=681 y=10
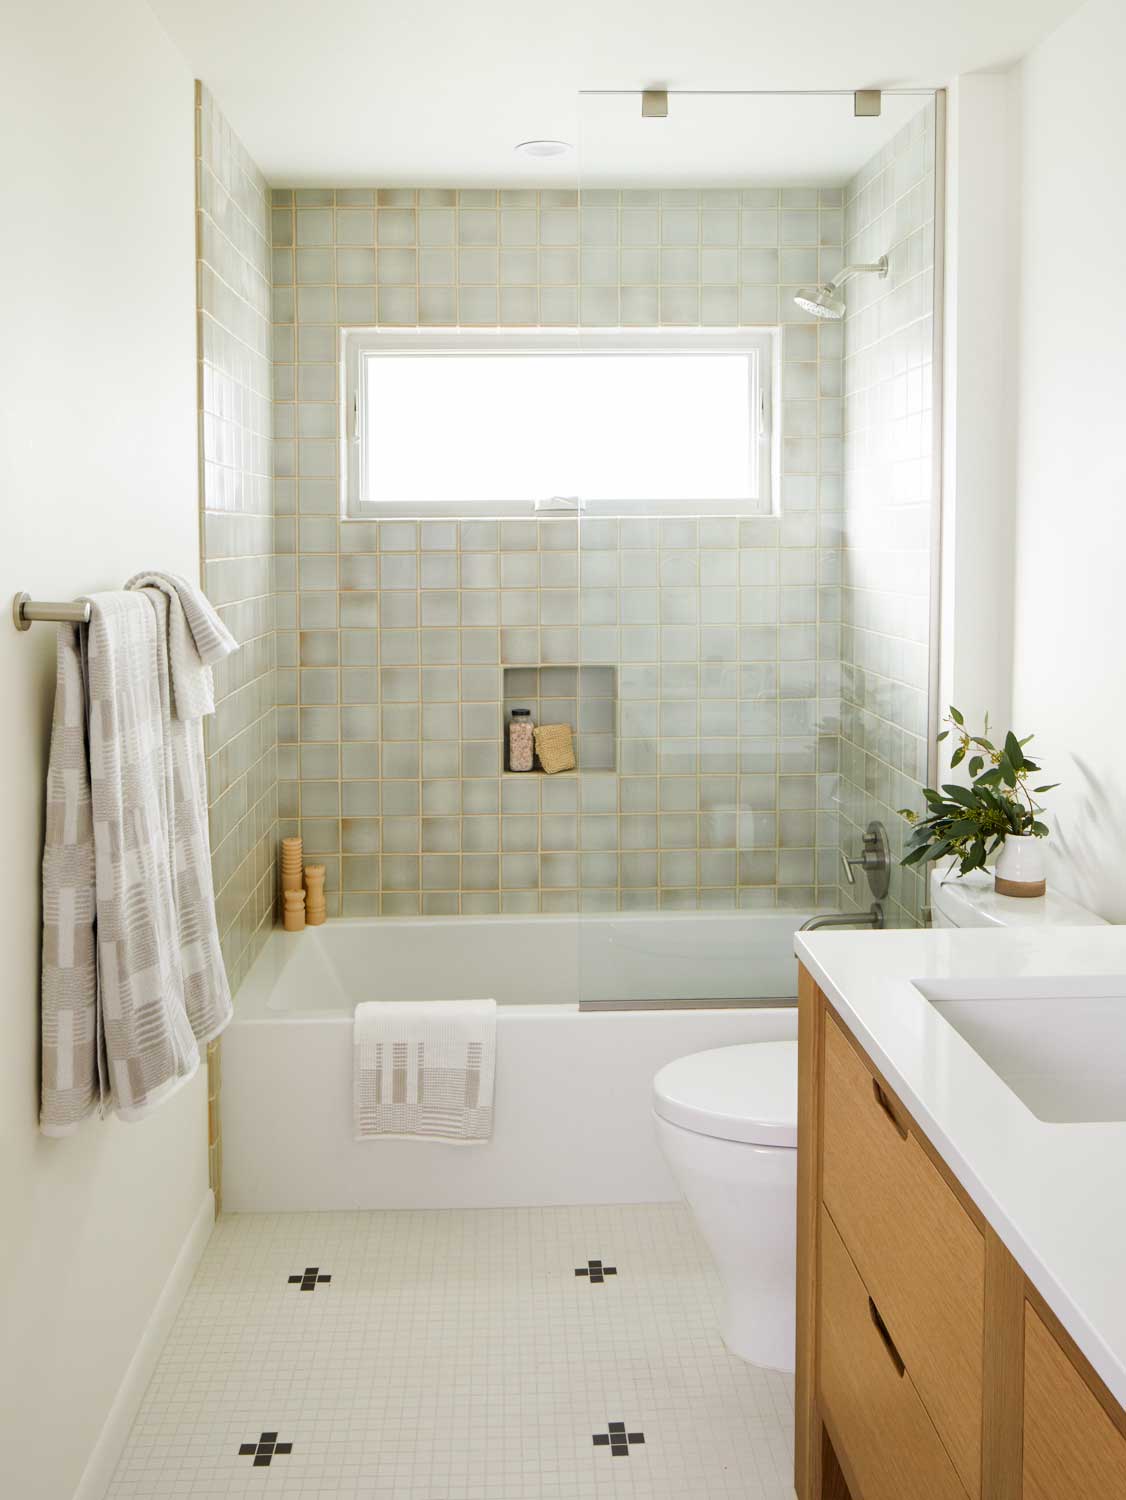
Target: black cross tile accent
x=617 y=1439
x=596 y=1271
x=264 y=1450
x=309 y=1279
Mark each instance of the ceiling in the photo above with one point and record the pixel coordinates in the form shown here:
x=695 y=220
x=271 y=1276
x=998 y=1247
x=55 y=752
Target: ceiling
x=751 y=139
x=438 y=92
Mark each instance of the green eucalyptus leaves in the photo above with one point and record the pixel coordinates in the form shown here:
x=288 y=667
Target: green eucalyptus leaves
x=971 y=822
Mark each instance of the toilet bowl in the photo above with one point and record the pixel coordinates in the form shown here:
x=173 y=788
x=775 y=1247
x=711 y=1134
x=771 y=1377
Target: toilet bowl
x=727 y=1123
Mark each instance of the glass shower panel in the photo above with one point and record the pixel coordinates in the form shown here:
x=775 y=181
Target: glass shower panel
x=889 y=545
x=763 y=660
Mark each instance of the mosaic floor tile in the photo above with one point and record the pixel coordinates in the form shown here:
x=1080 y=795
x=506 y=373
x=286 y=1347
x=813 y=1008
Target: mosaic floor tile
x=451 y=1357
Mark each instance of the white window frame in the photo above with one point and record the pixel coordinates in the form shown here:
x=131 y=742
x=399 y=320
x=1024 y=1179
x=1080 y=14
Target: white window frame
x=357 y=345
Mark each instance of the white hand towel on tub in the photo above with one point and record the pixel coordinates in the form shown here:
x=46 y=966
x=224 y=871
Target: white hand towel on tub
x=423 y=1070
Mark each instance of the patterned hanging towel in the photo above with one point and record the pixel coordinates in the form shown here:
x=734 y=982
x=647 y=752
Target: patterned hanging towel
x=423 y=1070
x=133 y=977
x=197 y=641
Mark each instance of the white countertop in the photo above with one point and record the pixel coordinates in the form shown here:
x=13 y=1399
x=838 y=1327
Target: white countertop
x=1054 y=1193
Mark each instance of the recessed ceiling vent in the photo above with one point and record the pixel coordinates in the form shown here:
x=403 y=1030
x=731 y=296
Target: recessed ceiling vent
x=541 y=150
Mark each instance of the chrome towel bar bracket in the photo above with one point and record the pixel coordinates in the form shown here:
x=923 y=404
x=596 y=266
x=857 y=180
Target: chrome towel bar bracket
x=26 y=610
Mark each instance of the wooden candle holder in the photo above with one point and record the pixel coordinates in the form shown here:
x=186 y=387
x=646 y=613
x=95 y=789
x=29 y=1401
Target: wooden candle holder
x=314 y=894
x=292 y=864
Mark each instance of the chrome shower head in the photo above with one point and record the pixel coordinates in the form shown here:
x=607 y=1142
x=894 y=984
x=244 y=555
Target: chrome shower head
x=824 y=302
x=821 y=301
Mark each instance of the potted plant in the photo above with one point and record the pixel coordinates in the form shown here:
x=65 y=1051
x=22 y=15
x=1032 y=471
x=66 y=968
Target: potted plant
x=996 y=811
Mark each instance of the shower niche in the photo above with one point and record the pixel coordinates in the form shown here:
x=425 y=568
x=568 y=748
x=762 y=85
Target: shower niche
x=585 y=698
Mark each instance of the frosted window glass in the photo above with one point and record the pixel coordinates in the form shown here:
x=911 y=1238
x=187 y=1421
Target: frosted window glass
x=446 y=429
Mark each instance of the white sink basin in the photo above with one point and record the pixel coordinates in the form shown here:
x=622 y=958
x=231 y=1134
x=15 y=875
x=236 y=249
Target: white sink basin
x=1059 y=1044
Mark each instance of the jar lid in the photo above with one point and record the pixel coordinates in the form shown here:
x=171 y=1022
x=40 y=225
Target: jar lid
x=521 y=713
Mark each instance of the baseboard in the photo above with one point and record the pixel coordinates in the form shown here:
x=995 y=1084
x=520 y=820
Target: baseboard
x=112 y=1438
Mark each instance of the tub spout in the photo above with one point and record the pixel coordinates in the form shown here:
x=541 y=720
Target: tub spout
x=873 y=917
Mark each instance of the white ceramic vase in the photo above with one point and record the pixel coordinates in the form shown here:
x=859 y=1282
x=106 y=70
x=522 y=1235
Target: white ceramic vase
x=1019 y=870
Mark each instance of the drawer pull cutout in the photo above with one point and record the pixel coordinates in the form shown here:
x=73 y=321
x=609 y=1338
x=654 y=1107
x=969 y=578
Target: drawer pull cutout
x=883 y=1102
x=881 y=1328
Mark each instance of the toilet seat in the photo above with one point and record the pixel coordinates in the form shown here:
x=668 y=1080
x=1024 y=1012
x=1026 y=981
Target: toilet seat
x=747 y=1093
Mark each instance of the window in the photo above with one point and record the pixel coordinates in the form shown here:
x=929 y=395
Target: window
x=483 y=423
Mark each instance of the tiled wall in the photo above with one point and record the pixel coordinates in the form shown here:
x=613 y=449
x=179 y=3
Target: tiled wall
x=889 y=500
x=392 y=636
x=233 y=239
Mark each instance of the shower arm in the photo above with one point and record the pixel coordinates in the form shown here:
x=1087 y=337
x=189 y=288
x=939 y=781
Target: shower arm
x=880 y=267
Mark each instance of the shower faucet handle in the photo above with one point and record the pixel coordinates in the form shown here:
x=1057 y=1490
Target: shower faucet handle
x=875 y=861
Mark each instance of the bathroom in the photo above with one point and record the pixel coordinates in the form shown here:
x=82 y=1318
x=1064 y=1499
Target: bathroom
x=743 y=506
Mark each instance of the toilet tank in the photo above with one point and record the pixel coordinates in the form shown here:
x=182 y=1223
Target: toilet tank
x=971 y=901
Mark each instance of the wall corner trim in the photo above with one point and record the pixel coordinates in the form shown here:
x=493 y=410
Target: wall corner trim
x=126 y=1403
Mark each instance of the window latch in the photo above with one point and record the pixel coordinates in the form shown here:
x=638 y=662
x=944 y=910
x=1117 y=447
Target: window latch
x=559 y=502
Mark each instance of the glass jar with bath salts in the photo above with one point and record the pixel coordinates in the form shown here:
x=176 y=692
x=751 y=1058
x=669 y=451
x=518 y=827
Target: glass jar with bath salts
x=521 y=740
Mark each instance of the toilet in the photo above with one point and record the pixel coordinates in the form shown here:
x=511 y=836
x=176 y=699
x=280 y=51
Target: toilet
x=727 y=1124
x=972 y=902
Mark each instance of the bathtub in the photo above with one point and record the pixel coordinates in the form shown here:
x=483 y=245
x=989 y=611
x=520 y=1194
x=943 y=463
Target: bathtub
x=588 y=1009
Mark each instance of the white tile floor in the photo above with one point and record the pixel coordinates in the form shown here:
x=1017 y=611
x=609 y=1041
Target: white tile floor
x=457 y=1356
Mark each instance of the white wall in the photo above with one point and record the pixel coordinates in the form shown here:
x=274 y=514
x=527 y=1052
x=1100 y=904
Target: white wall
x=979 y=321
x=1069 y=662
x=97 y=478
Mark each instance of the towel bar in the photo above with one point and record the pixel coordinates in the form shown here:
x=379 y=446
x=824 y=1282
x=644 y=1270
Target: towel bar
x=25 y=610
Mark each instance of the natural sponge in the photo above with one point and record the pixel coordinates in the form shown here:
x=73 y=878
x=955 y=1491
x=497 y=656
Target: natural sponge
x=555 y=747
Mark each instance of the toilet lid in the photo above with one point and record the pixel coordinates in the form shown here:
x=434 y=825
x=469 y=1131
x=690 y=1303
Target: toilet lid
x=745 y=1093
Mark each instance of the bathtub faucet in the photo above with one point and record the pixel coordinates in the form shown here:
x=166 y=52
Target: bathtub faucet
x=873 y=917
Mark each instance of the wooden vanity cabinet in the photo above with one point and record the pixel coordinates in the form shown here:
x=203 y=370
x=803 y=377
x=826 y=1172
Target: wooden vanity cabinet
x=1071 y=1444
x=920 y=1254
x=928 y=1367
x=894 y=1448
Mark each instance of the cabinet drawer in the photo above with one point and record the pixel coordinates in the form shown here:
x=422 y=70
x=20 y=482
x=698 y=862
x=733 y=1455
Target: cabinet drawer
x=1072 y=1450
x=918 y=1251
x=890 y=1443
